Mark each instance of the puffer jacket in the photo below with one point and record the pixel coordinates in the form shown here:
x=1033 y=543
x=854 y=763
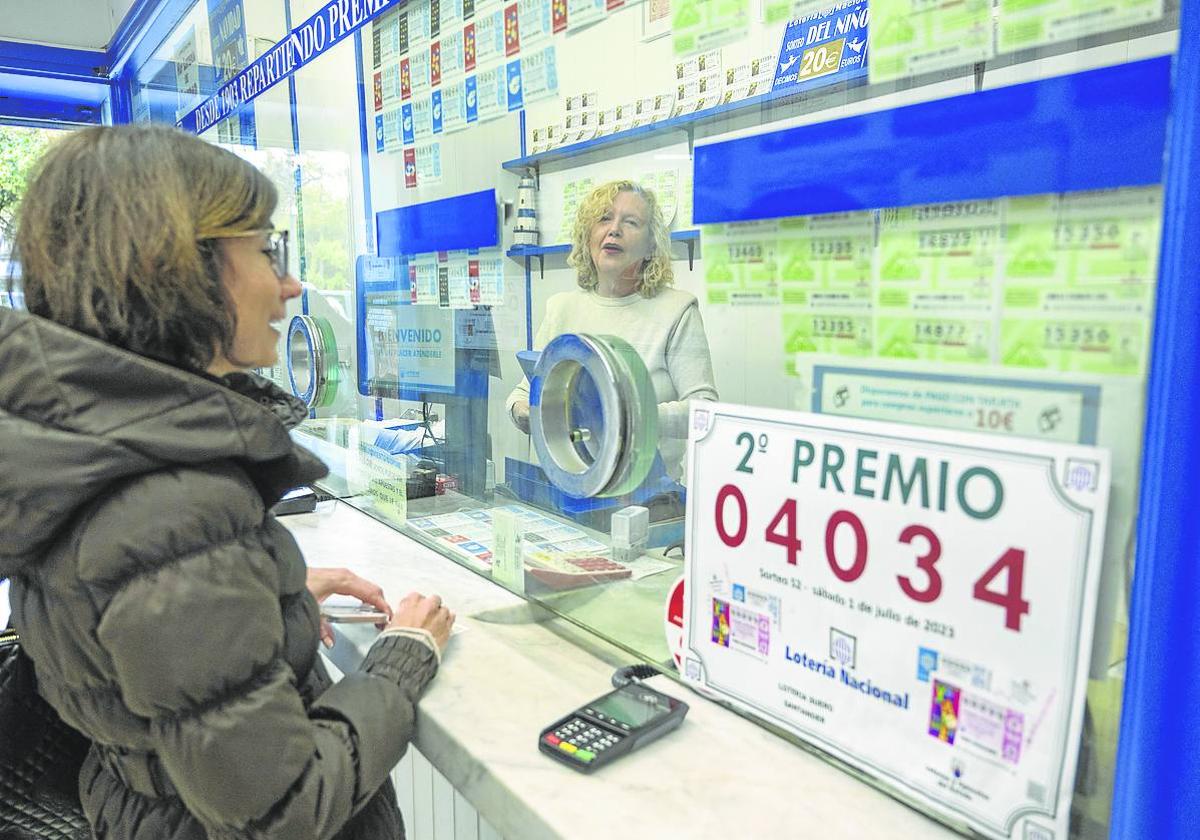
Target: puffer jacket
x=166 y=611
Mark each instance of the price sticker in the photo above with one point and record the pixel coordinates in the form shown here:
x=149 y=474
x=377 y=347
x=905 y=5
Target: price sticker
x=917 y=602
x=821 y=60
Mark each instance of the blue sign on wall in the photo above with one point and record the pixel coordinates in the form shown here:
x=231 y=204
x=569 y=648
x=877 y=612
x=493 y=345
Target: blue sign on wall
x=406 y=125
x=516 y=92
x=823 y=48
x=227 y=31
x=472 y=100
x=436 y=111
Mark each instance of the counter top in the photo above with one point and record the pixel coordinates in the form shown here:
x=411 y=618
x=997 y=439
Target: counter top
x=514 y=668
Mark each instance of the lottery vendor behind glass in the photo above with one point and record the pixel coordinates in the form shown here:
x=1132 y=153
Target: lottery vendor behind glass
x=171 y=619
x=621 y=251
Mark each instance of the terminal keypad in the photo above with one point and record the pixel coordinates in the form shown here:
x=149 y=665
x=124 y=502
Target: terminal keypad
x=581 y=739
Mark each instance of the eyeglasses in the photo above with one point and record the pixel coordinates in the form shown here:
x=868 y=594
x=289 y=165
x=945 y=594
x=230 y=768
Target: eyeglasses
x=276 y=250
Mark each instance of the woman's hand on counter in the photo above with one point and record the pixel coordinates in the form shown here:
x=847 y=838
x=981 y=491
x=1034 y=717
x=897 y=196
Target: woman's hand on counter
x=325 y=582
x=425 y=613
x=520 y=415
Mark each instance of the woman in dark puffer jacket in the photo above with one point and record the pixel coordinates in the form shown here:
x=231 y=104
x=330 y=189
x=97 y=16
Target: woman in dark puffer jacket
x=171 y=619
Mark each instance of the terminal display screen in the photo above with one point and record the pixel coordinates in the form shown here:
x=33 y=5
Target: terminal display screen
x=631 y=706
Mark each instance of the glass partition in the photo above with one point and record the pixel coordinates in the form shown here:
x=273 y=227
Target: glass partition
x=494 y=376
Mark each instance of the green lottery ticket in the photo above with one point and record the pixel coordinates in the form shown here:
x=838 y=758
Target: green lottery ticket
x=740 y=262
x=700 y=25
x=1079 y=279
x=908 y=37
x=1030 y=23
x=827 y=259
x=574 y=192
x=683 y=196
x=1092 y=252
x=837 y=334
x=935 y=274
x=934 y=338
x=664 y=183
x=1108 y=346
x=825 y=283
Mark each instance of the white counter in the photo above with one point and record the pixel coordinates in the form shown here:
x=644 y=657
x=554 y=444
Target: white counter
x=508 y=675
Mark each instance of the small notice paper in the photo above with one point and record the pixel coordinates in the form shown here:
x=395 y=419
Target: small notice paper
x=508 y=566
x=386 y=485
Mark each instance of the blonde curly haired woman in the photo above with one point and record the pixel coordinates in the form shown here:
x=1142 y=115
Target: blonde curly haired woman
x=621 y=250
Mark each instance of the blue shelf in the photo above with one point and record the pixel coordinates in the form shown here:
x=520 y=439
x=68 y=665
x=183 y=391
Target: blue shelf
x=684 y=122
x=518 y=251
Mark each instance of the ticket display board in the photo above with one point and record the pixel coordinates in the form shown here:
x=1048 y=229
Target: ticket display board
x=917 y=602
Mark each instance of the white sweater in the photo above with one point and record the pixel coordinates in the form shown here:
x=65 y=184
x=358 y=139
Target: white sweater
x=665 y=330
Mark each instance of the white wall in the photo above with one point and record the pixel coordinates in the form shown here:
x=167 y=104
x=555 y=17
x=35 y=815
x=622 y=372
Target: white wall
x=81 y=24
x=119 y=9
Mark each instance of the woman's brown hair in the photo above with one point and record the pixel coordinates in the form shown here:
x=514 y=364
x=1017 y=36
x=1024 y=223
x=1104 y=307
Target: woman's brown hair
x=116 y=233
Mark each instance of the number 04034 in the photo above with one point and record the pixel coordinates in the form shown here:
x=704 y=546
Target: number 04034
x=915 y=552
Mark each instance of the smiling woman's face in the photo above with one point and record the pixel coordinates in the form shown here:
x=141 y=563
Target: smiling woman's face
x=620 y=242
x=259 y=300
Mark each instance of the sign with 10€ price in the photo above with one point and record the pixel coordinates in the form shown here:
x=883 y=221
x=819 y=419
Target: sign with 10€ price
x=917 y=602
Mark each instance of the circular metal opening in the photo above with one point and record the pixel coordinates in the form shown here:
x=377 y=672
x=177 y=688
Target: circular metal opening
x=576 y=422
x=594 y=424
x=312 y=360
x=300 y=361
x=572 y=417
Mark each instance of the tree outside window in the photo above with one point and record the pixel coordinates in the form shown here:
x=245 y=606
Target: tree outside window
x=20 y=149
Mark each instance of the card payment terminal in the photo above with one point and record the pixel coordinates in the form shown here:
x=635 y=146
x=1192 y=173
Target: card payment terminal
x=610 y=726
